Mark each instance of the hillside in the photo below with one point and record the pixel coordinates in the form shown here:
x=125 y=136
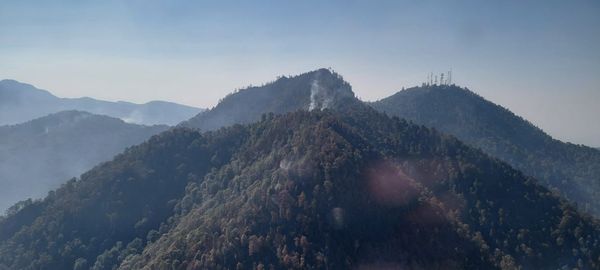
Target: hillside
x=350 y=189
x=40 y=155
x=20 y=102
x=572 y=170
x=319 y=89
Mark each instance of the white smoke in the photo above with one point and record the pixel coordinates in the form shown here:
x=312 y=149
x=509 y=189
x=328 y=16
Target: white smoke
x=134 y=117
x=285 y=164
x=319 y=97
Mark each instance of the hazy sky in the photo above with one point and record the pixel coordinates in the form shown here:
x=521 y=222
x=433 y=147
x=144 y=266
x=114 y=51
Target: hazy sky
x=541 y=59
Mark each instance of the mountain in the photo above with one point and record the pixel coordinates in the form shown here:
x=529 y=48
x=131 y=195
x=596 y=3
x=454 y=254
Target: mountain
x=39 y=155
x=572 y=170
x=317 y=89
x=21 y=102
x=327 y=189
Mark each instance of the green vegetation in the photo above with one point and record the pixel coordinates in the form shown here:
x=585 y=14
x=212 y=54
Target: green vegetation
x=39 y=155
x=118 y=201
x=320 y=88
x=572 y=170
x=325 y=189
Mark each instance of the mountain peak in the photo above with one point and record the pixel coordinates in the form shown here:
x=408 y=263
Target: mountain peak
x=12 y=89
x=573 y=170
x=315 y=90
x=12 y=82
x=433 y=88
x=326 y=88
x=447 y=107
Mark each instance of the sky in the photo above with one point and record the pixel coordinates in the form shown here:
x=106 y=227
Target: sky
x=540 y=59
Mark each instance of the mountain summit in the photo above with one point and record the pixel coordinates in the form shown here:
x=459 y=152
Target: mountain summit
x=572 y=170
x=315 y=90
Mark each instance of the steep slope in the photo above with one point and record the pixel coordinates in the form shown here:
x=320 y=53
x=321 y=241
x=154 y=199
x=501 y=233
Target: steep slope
x=317 y=89
x=21 y=102
x=349 y=188
x=573 y=170
x=39 y=155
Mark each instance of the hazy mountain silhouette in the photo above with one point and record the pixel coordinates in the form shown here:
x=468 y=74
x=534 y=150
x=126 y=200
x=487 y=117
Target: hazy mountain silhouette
x=40 y=155
x=573 y=170
x=319 y=89
x=21 y=102
x=348 y=188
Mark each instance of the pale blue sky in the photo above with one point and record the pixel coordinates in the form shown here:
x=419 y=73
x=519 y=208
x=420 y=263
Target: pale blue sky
x=541 y=59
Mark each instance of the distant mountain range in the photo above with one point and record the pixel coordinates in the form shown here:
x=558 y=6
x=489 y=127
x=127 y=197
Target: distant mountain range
x=21 y=102
x=40 y=155
x=572 y=170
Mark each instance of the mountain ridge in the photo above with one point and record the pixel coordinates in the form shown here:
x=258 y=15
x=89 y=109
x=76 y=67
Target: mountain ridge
x=318 y=89
x=17 y=100
x=38 y=155
x=573 y=170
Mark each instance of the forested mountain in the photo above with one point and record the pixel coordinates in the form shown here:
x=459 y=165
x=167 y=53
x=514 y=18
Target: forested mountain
x=336 y=189
x=317 y=89
x=39 y=155
x=573 y=170
x=21 y=102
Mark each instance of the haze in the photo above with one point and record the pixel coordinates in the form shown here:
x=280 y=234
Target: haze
x=539 y=59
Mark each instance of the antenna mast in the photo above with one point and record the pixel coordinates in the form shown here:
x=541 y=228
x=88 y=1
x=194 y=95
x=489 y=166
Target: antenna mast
x=444 y=78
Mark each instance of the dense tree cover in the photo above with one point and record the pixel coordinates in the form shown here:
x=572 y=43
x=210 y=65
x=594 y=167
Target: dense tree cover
x=39 y=155
x=112 y=208
x=323 y=189
x=319 y=88
x=572 y=170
